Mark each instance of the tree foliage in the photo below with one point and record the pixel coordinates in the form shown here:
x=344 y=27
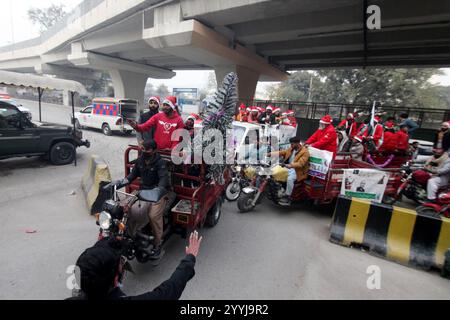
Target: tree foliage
x=47 y=17
x=409 y=87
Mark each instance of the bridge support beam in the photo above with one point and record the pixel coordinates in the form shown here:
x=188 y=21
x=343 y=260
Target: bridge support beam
x=129 y=85
x=247 y=80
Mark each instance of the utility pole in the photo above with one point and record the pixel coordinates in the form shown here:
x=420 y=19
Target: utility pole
x=310 y=88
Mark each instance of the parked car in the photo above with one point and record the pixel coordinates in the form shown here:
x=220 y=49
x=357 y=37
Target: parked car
x=8 y=99
x=19 y=137
x=425 y=150
x=108 y=114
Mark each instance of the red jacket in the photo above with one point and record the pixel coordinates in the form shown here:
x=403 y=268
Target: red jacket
x=325 y=139
x=164 y=127
x=389 y=142
x=353 y=127
x=402 y=141
x=377 y=134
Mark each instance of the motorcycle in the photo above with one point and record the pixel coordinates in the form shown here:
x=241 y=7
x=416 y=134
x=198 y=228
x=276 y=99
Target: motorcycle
x=440 y=208
x=239 y=181
x=115 y=215
x=263 y=183
x=409 y=187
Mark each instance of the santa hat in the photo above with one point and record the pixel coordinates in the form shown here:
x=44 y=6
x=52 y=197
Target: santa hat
x=276 y=110
x=155 y=98
x=358 y=138
x=284 y=114
x=377 y=118
x=447 y=124
x=351 y=115
x=290 y=112
x=192 y=116
x=248 y=109
x=259 y=109
x=171 y=101
x=242 y=107
x=326 y=119
x=389 y=125
x=255 y=109
x=269 y=107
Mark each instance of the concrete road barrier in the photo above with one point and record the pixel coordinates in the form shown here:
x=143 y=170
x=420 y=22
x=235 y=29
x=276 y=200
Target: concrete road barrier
x=392 y=232
x=96 y=176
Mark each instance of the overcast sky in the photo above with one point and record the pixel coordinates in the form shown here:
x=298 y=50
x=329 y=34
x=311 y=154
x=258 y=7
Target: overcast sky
x=16 y=27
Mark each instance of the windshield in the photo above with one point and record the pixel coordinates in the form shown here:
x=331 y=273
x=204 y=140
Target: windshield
x=129 y=110
x=238 y=135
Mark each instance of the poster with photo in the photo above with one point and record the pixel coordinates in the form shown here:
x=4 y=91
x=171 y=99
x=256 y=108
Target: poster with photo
x=364 y=184
x=319 y=162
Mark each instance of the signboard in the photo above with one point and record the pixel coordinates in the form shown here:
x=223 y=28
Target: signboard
x=319 y=162
x=364 y=184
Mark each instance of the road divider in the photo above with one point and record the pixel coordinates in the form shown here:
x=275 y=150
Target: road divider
x=395 y=233
x=96 y=176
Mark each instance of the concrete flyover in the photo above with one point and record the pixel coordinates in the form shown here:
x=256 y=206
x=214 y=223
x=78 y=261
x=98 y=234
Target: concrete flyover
x=259 y=39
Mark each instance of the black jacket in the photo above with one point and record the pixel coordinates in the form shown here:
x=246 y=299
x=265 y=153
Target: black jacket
x=148 y=135
x=445 y=140
x=170 y=289
x=262 y=119
x=153 y=174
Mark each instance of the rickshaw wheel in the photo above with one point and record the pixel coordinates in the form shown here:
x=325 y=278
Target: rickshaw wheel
x=214 y=214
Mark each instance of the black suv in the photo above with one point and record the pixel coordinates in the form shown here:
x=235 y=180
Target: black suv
x=20 y=137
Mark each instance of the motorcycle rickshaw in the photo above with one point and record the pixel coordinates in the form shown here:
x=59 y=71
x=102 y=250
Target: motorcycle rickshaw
x=319 y=191
x=193 y=201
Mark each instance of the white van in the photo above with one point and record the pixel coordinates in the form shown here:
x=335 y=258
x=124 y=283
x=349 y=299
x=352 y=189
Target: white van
x=108 y=114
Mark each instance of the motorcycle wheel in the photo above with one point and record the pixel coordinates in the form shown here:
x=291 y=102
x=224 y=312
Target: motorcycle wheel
x=427 y=211
x=233 y=191
x=389 y=200
x=245 y=203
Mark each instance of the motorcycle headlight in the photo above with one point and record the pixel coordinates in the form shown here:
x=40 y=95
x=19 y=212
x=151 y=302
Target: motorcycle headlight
x=104 y=220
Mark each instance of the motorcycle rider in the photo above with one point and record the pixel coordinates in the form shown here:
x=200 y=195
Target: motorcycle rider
x=438 y=180
x=152 y=170
x=297 y=162
x=99 y=265
x=432 y=165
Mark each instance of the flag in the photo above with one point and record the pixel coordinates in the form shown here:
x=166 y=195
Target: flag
x=372 y=119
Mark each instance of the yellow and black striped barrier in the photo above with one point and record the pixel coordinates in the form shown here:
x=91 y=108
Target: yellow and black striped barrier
x=96 y=176
x=392 y=232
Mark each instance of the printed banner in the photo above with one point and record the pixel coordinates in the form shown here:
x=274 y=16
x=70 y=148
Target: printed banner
x=319 y=162
x=364 y=184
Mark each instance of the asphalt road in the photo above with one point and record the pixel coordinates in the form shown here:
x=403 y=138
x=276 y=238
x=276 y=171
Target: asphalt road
x=266 y=254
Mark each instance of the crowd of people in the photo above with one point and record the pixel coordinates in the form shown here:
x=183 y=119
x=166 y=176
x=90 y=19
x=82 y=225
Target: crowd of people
x=270 y=115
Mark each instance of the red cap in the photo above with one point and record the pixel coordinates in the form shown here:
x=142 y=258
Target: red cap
x=326 y=119
x=242 y=106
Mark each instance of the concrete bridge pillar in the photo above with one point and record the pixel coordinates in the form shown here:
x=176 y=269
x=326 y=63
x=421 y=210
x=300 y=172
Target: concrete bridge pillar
x=248 y=80
x=129 y=85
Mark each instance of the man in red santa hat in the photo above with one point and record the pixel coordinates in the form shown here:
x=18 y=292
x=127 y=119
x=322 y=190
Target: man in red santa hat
x=349 y=125
x=325 y=138
x=375 y=134
x=165 y=123
x=253 y=116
